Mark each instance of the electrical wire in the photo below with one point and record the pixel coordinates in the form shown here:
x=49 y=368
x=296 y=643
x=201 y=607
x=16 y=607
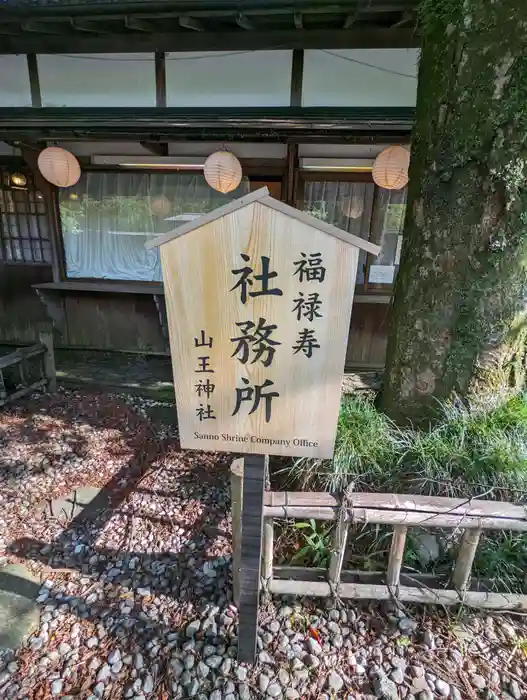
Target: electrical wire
x=370 y=65
x=223 y=54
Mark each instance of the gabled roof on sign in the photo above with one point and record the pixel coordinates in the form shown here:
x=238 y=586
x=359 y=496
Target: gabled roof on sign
x=262 y=197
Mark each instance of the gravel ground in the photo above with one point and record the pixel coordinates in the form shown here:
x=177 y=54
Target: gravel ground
x=136 y=597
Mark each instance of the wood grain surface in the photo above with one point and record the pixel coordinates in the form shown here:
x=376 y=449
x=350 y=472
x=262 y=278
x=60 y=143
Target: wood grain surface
x=199 y=279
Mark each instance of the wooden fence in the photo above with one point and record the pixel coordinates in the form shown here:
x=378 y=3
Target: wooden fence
x=29 y=368
x=467 y=517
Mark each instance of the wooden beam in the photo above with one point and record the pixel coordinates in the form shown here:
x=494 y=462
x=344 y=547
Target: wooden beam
x=191 y=23
x=90 y=27
x=244 y=22
x=297 y=77
x=34 y=82
x=213 y=41
x=161 y=82
x=138 y=25
x=11 y=29
x=291 y=174
x=156 y=148
x=298 y=20
x=30 y=25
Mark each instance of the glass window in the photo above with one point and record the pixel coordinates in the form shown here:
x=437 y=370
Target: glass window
x=108 y=216
x=386 y=230
x=368 y=212
x=24 y=231
x=347 y=205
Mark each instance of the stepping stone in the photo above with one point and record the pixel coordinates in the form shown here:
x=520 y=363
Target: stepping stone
x=75 y=503
x=19 y=613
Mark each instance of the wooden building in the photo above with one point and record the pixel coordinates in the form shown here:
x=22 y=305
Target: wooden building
x=304 y=93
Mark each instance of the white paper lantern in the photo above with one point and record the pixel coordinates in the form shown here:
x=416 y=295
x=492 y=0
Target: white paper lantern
x=352 y=207
x=161 y=206
x=58 y=166
x=223 y=171
x=390 y=169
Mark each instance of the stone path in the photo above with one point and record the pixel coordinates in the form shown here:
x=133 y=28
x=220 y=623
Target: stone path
x=135 y=594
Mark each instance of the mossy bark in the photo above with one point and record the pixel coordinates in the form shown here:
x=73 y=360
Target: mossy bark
x=459 y=318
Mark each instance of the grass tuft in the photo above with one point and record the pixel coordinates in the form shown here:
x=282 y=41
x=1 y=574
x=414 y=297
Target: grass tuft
x=467 y=453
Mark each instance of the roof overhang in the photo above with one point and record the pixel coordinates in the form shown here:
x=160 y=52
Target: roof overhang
x=110 y=26
x=278 y=124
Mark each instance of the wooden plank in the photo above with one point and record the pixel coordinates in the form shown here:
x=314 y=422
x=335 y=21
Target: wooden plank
x=393 y=501
x=372 y=298
x=395 y=559
x=236 y=514
x=299 y=417
x=465 y=559
x=149 y=288
x=214 y=41
x=34 y=82
x=399 y=517
x=21 y=354
x=362 y=591
x=252 y=519
x=40 y=384
x=161 y=83
x=297 y=77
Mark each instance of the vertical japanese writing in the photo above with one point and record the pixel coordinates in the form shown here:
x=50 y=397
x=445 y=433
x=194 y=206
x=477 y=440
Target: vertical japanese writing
x=309 y=268
x=204 y=388
x=253 y=341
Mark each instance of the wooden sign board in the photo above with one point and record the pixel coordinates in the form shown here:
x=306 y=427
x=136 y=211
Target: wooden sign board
x=258 y=298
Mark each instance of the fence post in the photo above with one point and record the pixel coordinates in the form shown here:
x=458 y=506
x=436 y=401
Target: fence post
x=3 y=392
x=236 y=512
x=339 y=548
x=395 y=560
x=268 y=547
x=45 y=336
x=465 y=559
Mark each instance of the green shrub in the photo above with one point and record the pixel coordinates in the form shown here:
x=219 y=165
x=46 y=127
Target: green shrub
x=466 y=453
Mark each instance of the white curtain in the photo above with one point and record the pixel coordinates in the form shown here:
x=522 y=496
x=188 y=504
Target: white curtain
x=108 y=216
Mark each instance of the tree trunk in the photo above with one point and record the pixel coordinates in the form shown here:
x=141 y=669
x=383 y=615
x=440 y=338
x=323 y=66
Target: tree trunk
x=459 y=318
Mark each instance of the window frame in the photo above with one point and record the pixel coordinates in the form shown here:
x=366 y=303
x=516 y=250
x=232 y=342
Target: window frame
x=34 y=219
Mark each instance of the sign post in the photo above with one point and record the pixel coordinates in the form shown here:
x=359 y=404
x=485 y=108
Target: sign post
x=258 y=298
